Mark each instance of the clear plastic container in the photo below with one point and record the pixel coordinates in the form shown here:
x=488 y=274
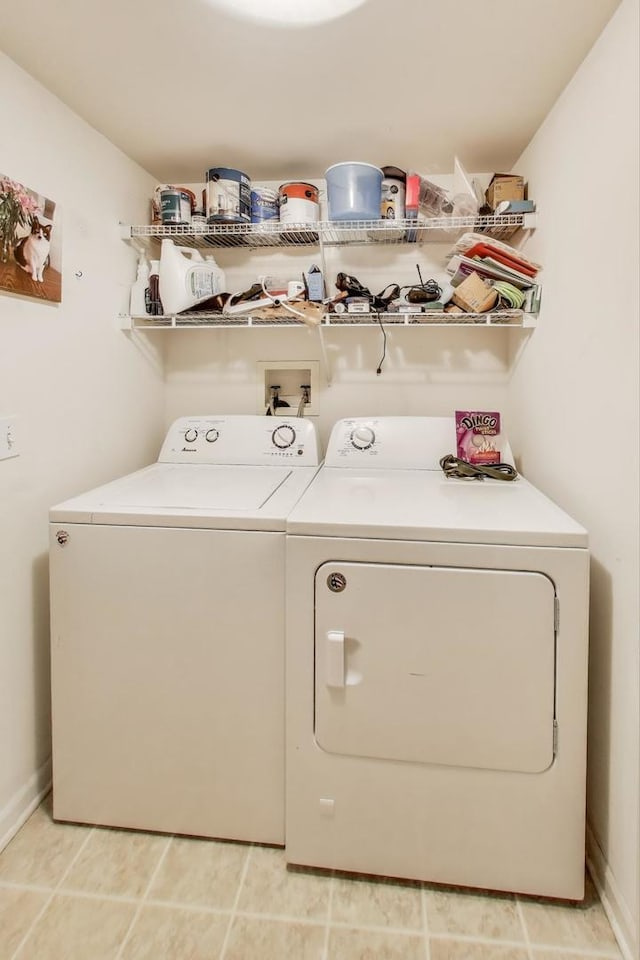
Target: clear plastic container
x=354 y=191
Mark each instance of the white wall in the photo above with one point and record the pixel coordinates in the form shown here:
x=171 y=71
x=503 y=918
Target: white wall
x=427 y=370
x=574 y=404
x=89 y=400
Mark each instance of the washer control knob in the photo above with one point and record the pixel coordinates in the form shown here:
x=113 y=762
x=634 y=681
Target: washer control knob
x=190 y=434
x=363 y=438
x=211 y=435
x=283 y=436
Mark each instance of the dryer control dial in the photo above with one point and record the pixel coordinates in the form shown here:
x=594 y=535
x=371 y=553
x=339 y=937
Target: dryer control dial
x=283 y=436
x=363 y=438
x=190 y=435
x=211 y=435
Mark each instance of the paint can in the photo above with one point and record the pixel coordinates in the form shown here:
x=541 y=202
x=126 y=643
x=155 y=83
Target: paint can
x=299 y=203
x=264 y=205
x=176 y=204
x=393 y=202
x=228 y=196
x=156 y=215
x=198 y=221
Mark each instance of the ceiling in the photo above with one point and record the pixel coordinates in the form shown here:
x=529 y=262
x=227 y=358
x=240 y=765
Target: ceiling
x=183 y=86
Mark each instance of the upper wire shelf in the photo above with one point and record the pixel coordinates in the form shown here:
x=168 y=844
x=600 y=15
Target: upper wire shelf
x=329 y=232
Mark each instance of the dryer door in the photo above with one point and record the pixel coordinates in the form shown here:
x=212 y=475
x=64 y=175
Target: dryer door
x=439 y=665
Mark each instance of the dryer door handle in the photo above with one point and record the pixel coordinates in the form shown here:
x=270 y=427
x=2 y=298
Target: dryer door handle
x=335 y=658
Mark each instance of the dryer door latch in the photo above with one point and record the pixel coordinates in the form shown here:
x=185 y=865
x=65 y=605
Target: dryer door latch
x=335 y=658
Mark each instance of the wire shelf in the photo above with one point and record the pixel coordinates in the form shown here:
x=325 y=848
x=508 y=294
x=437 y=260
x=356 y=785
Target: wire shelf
x=501 y=318
x=195 y=320
x=329 y=233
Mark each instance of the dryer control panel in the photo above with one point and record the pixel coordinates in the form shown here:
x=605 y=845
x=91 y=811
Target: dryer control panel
x=240 y=439
x=387 y=443
x=404 y=443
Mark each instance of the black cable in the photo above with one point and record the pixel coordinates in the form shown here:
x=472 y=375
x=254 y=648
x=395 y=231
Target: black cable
x=384 y=344
x=461 y=470
x=423 y=292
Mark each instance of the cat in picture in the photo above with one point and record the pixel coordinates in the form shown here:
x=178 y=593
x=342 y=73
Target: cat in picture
x=32 y=252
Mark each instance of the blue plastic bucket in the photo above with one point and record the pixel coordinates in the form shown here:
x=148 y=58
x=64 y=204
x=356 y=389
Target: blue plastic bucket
x=228 y=196
x=354 y=191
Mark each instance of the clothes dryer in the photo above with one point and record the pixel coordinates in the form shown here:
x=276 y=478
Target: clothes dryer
x=436 y=669
x=167 y=634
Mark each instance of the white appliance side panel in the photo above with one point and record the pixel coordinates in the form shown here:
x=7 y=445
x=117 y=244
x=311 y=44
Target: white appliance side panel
x=437 y=665
x=167 y=679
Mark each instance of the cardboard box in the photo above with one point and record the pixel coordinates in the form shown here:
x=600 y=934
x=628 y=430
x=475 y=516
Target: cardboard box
x=412 y=195
x=411 y=203
x=474 y=295
x=505 y=186
x=315 y=285
x=478 y=436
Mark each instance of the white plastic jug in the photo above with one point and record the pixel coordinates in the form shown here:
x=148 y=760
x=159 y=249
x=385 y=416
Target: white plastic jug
x=186 y=279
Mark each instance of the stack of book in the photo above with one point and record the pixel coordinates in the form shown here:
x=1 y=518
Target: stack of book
x=494 y=260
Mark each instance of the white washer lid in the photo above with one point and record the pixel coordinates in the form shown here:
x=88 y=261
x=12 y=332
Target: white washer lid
x=196 y=487
x=217 y=496
x=425 y=505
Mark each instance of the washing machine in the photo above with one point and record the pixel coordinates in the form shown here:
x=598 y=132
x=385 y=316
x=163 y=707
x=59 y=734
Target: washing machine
x=167 y=634
x=436 y=669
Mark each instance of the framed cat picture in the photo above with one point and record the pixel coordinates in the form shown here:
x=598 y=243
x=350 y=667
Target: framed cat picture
x=30 y=243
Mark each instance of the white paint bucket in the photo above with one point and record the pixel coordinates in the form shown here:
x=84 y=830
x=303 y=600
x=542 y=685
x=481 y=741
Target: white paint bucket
x=299 y=203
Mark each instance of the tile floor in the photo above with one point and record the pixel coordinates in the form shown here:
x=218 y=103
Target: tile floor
x=81 y=893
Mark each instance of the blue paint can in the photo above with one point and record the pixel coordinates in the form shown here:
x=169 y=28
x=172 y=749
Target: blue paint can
x=228 y=194
x=264 y=205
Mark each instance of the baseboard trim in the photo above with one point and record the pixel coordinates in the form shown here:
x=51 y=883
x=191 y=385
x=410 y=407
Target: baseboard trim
x=22 y=804
x=615 y=907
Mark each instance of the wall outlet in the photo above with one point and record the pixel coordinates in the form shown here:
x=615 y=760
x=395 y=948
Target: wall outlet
x=288 y=376
x=8 y=438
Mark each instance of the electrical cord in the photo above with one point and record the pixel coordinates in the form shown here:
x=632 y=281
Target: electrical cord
x=458 y=469
x=281 y=302
x=422 y=293
x=276 y=301
x=384 y=344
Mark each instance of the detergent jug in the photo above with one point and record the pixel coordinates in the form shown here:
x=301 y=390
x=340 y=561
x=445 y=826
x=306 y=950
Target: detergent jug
x=186 y=279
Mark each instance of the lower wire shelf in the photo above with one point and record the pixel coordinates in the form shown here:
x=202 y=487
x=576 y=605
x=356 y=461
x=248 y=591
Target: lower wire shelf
x=215 y=321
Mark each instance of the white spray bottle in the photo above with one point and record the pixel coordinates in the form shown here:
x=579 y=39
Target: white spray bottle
x=137 y=306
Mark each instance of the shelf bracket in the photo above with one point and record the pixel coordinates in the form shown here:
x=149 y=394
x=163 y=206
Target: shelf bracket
x=325 y=356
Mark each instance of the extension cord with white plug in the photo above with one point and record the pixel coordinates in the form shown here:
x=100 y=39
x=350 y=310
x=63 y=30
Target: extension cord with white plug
x=247 y=306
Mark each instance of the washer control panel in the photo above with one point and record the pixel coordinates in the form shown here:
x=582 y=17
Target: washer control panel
x=240 y=439
x=363 y=437
x=284 y=436
x=409 y=443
